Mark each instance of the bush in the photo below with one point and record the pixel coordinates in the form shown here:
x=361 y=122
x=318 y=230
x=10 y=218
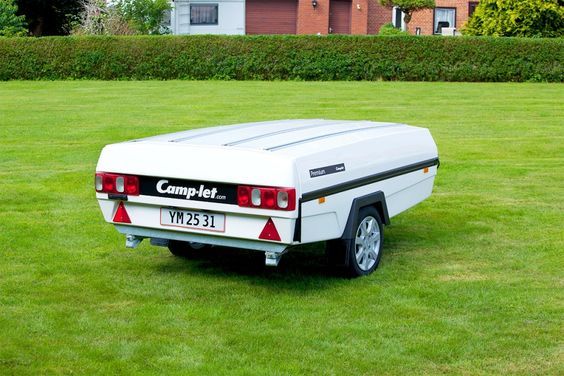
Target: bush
x=517 y=18
x=390 y=29
x=146 y=16
x=282 y=58
x=10 y=23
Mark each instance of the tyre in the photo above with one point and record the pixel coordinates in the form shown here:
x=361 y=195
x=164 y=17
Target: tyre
x=365 y=248
x=359 y=255
x=185 y=249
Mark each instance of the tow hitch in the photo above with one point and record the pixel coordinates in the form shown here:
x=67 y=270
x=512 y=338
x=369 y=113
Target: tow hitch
x=273 y=258
x=132 y=241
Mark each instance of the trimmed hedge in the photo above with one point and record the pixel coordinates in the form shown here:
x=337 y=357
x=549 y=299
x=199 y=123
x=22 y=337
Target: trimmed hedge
x=282 y=58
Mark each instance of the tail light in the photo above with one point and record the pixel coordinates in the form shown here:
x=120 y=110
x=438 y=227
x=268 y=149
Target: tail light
x=117 y=183
x=266 y=197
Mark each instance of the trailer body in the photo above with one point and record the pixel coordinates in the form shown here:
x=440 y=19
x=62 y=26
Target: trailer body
x=215 y=186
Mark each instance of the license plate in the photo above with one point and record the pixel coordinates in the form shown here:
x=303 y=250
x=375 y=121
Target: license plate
x=193 y=219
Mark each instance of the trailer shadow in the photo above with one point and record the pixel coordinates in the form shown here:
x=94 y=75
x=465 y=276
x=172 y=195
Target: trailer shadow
x=302 y=268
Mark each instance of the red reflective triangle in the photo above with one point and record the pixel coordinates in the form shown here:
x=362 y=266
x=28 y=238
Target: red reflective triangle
x=269 y=231
x=121 y=214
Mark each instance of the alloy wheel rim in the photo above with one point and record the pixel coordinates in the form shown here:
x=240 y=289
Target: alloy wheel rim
x=367 y=243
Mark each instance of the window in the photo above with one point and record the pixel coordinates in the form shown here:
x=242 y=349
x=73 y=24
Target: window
x=397 y=18
x=471 y=8
x=444 y=17
x=203 y=14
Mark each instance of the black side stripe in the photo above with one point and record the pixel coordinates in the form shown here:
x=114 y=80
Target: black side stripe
x=345 y=186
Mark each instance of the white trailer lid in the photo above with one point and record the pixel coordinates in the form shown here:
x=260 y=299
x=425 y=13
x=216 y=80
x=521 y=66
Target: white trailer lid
x=272 y=152
x=274 y=135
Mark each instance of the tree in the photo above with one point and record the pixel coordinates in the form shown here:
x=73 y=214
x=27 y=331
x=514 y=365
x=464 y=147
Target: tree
x=98 y=18
x=49 y=17
x=146 y=16
x=408 y=7
x=517 y=18
x=10 y=23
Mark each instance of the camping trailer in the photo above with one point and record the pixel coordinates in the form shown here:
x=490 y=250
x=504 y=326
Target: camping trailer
x=268 y=186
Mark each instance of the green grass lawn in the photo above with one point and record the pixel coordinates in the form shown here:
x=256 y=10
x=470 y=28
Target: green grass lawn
x=471 y=281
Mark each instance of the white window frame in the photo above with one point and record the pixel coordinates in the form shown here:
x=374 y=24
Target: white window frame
x=435 y=23
x=198 y=4
x=395 y=11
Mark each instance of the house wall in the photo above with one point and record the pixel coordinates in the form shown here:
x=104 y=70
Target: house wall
x=425 y=18
x=313 y=20
x=231 y=17
x=316 y=20
x=367 y=17
x=378 y=15
x=359 y=16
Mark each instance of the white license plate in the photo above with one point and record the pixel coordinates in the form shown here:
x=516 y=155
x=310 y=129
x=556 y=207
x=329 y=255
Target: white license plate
x=193 y=219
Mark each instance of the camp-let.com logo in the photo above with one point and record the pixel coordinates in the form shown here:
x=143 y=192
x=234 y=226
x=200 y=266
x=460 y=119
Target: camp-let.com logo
x=188 y=192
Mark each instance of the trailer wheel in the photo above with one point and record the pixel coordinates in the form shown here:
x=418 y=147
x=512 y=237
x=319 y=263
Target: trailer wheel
x=185 y=249
x=365 y=247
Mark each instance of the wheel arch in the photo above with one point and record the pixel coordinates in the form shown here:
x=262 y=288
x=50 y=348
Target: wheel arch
x=377 y=200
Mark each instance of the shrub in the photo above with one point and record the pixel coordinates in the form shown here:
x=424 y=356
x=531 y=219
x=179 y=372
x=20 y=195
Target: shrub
x=146 y=16
x=390 y=29
x=10 y=23
x=517 y=18
x=282 y=57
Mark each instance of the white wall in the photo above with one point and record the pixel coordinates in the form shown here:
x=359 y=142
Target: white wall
x=231 y=17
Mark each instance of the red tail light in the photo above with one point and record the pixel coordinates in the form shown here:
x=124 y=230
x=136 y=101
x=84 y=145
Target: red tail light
x=117 y=183
x=132 y=185
x=266 y=197
x=243 y=195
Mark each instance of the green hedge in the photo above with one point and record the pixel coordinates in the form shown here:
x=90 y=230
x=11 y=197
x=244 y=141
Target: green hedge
x=282 y=58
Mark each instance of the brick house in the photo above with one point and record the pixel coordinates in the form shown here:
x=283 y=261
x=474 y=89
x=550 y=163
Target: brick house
x=310 y=17
x=453 y=12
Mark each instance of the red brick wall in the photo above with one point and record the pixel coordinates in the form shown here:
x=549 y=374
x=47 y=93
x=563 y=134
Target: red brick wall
x=424 y=19
x=313 y=21
x=371 y=16
x=377 y=16
x=359 y=16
